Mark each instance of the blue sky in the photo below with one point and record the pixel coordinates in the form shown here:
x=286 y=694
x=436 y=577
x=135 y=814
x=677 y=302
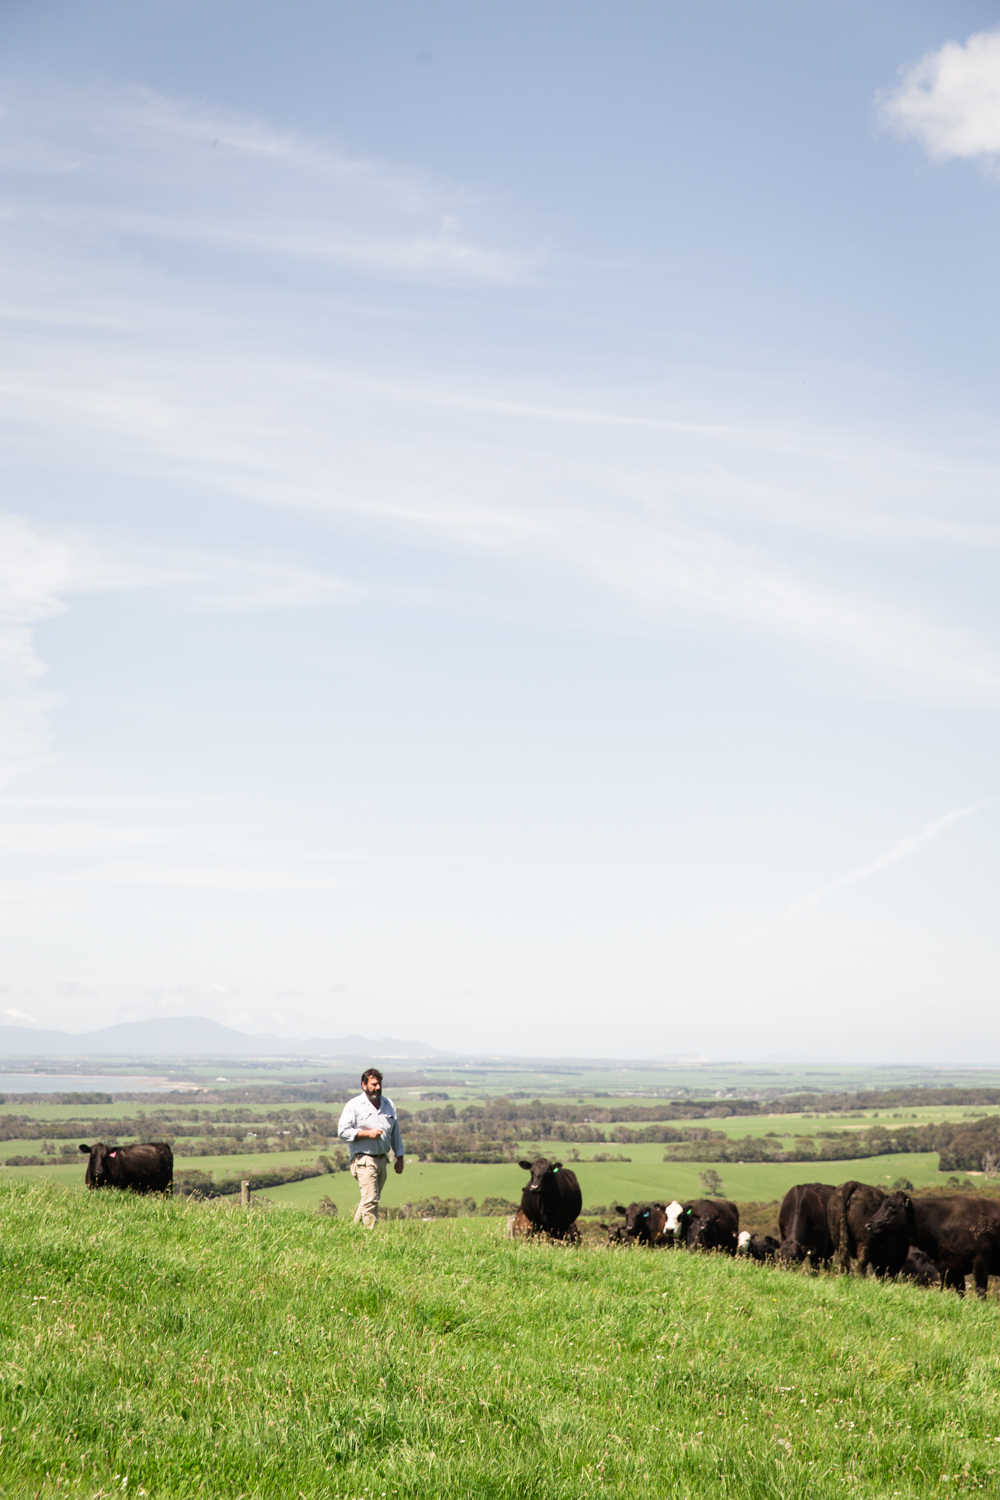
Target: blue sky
x=500 y=529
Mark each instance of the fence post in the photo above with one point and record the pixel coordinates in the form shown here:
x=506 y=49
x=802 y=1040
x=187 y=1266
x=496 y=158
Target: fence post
x=245 y=1193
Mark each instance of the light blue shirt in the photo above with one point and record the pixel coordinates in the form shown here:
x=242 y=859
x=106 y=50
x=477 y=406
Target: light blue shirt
x=360 y=1113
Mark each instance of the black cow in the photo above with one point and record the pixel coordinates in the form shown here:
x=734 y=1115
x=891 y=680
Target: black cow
x=851 y=1206
x=645 y=1223
x=803 y=1226
x=148 y=1168
x=920 y=1268
x=960 y=1234
x=617 y=1234
x=552 y=1200
x=704 y=1224
x=759 y=1247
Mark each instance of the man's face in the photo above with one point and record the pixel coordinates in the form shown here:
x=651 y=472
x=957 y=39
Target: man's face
x=373 y=1089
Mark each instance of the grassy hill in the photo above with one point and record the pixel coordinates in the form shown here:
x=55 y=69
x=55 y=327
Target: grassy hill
x=165 y=1348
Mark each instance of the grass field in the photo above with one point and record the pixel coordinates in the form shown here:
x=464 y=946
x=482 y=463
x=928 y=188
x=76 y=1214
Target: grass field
x=168 y=1349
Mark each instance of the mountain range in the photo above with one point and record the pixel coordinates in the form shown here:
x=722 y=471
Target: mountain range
x=195 y=1036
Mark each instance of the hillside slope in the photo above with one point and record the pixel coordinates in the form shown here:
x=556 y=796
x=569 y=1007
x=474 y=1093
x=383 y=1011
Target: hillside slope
x=168 y=1349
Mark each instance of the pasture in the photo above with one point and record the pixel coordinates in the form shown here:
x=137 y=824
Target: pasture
x=167 y=1349
x=645 y=1176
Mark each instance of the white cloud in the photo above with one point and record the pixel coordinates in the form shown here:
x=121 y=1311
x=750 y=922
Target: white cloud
x=73 y=987
x=21 y=1016
x=950 y=100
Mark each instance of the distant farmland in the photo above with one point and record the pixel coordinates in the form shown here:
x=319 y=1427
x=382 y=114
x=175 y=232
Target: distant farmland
x=259 y=1129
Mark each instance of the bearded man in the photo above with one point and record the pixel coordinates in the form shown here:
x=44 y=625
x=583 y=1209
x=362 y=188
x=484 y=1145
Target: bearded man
x=369 y=1125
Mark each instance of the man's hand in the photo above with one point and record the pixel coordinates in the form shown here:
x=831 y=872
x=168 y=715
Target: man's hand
x=398 y=1164
x=369 y=1135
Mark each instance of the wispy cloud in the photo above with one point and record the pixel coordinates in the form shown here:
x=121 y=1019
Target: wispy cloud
x=950 y=100
x=136 y=166
x=666 y=506
x=21 y=1017
x=902 y=849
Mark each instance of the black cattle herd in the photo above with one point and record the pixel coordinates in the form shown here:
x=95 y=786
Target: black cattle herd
x=930 y=1240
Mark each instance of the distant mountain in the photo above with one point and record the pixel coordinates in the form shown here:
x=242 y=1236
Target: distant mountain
x=194 y=1036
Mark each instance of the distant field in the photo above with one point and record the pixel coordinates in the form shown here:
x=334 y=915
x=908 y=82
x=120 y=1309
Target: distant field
x=573 y=1080
x=700 y=1079
x=646 y=1176
x=737 y=1125
x=756 y=1126
x=606 y=1182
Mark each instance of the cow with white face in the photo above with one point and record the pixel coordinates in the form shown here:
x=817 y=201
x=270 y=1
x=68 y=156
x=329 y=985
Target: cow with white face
x=673 y=1214
x=759 y=1247
x=703 y=1224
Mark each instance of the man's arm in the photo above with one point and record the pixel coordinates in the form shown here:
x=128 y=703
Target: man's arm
x=396 y=1143
x=348 y=1128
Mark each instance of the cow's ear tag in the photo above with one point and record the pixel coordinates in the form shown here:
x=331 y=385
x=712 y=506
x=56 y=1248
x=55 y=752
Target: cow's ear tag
x=554 y=1170
x=114 y=1153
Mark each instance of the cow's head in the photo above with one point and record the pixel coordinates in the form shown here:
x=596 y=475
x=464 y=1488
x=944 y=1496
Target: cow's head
x=701 y=1226
x=894 y=1215
x=636 y=1217
x=791 y=1252
x=677 y=1217
x=543 y=1174
x=743 y=1243
x=98 y=1168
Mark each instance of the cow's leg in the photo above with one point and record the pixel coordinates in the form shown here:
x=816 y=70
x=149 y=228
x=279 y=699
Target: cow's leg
x=981 y=1273
x=956 y=1281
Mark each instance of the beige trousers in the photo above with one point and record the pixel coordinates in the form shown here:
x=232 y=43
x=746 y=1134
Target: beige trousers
x=369 y=1173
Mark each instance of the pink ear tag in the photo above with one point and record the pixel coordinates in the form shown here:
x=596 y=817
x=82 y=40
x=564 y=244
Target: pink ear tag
x=114 y=1153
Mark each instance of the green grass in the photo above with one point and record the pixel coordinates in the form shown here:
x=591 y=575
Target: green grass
x=646 y=1176
x=172 y=1349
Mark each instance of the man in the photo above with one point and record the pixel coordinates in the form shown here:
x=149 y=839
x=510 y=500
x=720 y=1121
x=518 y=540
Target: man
x=369 y=1125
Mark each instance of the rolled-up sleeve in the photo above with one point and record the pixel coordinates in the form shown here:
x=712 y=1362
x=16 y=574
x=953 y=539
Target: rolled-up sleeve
x=347 y=1127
